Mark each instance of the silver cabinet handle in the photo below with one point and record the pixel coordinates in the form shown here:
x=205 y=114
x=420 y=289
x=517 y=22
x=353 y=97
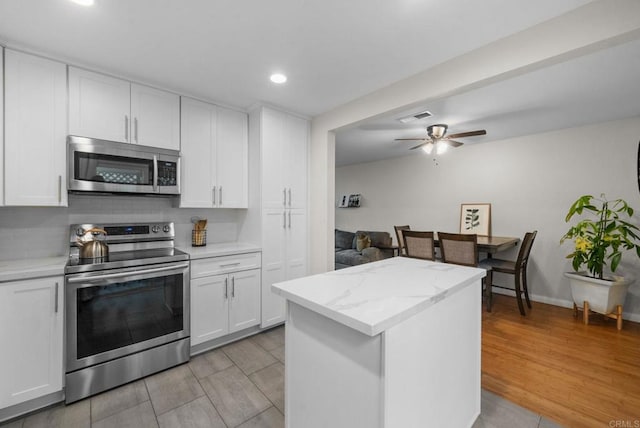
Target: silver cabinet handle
x=284 y=219
x=155 y=174
x=289 y=197
x=59 y=189
x=214 y=195
x=233 y=286
x=126 y=128
x=56 y=301
x=230 y=265
x=135 y=129
x=289 y=219
x=284 y=197
x=226 y=288
x=220 y=199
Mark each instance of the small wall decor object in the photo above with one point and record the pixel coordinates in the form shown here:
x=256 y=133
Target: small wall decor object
x=475 y=219
x=349 y=201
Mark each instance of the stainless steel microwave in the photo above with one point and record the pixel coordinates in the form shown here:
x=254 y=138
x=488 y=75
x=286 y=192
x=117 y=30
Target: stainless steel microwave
x=111 y=167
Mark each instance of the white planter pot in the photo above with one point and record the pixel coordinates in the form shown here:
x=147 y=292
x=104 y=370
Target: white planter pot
x=603 y=295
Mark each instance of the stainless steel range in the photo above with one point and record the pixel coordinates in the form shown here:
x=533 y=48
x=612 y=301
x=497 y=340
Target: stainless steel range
x=127 y=313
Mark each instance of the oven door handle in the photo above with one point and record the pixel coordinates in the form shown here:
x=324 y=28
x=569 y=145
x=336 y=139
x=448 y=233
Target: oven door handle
x=73 y=280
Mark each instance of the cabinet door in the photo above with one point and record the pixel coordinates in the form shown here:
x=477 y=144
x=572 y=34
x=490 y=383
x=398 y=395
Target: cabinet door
x=274 y=224
x=155 y=117
x=31 y=359
x=244 y=310
x=35 y=131
x=232 y=159
x=99 y=106
x=296 y=243
x=198 y=139
x=296 y=141
x=272 y=154
x=209 y=308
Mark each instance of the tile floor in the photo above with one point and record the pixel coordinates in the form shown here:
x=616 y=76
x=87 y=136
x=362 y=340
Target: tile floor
x=239 y=385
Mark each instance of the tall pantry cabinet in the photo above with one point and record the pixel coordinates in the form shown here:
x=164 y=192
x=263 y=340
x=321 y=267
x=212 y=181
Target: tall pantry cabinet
x=283 y=141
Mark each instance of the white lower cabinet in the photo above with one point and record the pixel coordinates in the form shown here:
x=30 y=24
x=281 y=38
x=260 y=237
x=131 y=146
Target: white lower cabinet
x=223 y=303
x=31 y=314
x=284 y=240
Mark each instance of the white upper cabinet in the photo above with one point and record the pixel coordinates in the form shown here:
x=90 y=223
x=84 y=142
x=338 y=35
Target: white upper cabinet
x=232 y=158
x=108 y=108
x=296 y=140
x=214 y=147
x=155 y=117
x=284 y=149
x=99 y=106
x=35 y=131
x=198 y=132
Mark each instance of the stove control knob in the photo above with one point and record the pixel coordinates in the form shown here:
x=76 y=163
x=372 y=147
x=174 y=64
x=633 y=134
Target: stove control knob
x=155 y=229
x=166 y=228
x=80 y=231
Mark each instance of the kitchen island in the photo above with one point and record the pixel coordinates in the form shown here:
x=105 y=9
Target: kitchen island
x=394 y=343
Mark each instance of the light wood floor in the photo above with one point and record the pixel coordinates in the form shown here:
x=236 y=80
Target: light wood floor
x=549 y=362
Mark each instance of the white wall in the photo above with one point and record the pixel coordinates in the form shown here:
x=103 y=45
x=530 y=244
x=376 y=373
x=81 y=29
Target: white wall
x=530 y=182
x=31 y=232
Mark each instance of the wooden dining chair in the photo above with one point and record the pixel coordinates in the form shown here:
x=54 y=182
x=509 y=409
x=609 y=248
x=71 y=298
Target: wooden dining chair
x=516 y=268
x=419 y=245
x=462 y=249
x=401 y=247
x=458 y=248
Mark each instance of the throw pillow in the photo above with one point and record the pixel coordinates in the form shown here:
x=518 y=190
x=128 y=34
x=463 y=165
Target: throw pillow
x=363 y=241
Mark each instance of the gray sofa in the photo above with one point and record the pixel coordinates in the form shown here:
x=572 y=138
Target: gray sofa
x=346 y=248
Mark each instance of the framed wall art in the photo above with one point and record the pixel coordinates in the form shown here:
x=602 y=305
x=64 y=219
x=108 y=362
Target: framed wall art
x=475 y=219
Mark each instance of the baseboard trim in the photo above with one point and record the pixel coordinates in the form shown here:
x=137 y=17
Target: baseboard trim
x=560 y=302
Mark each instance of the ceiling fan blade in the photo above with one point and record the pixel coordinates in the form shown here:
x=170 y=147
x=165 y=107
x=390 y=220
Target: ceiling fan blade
x=452 y=143
x=410 y=139
x=420 y=145
x=466 y=134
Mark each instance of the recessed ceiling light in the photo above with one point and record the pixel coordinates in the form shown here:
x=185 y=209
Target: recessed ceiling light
x=84 y=2
x=278 y=78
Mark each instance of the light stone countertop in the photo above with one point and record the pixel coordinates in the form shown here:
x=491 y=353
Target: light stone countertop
x=14 y=270
x=221 y=249
x=374 y=297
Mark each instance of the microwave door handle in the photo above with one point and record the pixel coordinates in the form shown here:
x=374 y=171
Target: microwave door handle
x=155 y=173
x=74 y=280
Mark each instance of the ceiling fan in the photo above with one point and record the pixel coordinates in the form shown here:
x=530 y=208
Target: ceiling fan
x=436 y=138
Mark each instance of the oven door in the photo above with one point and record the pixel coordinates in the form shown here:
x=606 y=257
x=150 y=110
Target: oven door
x=114 y=313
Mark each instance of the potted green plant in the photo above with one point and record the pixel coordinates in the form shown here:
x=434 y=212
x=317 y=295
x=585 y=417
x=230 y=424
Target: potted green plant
x=600 y=239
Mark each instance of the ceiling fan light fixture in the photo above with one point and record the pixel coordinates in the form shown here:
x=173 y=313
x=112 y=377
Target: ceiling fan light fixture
x=442 y=147
x=427 y=148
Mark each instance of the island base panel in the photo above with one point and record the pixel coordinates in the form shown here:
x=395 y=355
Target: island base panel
x=332 y=373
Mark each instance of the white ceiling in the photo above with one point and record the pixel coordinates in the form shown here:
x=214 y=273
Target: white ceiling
x=333 y=51
x=223 y=50
x=597 y=87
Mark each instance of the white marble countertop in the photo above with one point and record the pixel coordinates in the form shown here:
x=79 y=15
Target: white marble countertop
x=13 y=270
x=374 y=297
x=222 y=249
